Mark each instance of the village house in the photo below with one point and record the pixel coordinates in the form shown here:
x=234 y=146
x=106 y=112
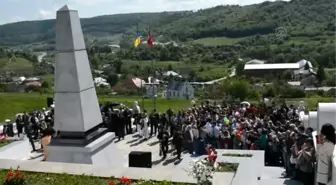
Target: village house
x=258 y=68
x=152 y=90
x=99 y=81
x=180 y=90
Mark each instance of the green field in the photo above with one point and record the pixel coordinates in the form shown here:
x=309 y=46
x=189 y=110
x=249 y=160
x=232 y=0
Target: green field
x=13 y=103
x=217 y=41
x=15 y=64
x=3 y=62
x=205 y=71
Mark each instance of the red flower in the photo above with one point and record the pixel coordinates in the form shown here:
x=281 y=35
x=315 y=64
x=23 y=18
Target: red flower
x=125 y=181
x=10 y=175
x=18 y=174
x=112 y=183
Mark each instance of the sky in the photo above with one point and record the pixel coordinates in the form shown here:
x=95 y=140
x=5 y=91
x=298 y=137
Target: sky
x=22 y=10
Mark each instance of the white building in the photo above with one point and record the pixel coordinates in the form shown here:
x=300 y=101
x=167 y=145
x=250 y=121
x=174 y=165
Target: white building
x=305 y=68
x=172 y=73
x=152 y=90
x=99 y=81
x=180 y=90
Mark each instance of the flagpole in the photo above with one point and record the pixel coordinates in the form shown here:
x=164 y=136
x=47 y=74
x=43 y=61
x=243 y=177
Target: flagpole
x=141 y=88
x=154 y=71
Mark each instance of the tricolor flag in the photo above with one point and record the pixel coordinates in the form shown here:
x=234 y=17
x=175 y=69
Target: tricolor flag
x=150 y=39
x=138 y=39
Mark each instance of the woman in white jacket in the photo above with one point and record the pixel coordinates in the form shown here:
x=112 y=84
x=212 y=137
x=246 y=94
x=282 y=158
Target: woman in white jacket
x=144 y=129
x=325 y=150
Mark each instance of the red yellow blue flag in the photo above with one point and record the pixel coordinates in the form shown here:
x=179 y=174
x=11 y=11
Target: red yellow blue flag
x=138 y=40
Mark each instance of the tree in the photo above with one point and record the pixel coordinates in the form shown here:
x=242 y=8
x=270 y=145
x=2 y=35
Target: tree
x=112 y=79
x=287 y=75
x=240 y=69
x=192 y=75
x=94 y=62
x=239 y=89
x=45 y=85
x=170 y=67
x=321 y=75
x=117 y=64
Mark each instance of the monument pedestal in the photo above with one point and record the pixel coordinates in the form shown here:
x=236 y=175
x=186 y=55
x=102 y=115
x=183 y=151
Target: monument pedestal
x=103 y=151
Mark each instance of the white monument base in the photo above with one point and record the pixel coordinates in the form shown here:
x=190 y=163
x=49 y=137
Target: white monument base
x=103 y=151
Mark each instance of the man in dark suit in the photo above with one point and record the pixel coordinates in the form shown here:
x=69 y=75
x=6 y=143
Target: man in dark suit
x=178 y=143
x=154 y=119
x=121 y=125
x=163 y=137
x=28 y=131
x=127 y=121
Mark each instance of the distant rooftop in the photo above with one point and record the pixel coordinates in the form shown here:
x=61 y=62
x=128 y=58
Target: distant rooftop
x=272 y=66
x=255 y=61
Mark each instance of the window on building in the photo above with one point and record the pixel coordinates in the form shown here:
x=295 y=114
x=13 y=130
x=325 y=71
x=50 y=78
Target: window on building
x=178 y=94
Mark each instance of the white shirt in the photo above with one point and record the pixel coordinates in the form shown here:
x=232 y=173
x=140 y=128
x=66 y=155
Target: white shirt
x=214 y=131
x=208 y=127
x=324 y=163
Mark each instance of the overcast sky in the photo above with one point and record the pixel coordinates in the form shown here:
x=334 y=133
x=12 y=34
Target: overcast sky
x=20 y=10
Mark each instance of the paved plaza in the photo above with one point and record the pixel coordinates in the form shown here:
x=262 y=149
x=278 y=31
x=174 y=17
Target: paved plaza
x=21 y=150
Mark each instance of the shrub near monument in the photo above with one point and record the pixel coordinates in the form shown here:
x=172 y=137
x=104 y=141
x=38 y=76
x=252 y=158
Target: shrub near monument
x=16 y=177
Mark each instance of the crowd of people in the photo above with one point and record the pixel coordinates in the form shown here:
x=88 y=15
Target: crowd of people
x=278 y=130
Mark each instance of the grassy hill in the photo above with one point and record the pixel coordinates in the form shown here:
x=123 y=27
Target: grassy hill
x=18 y=64
x=15 y=64
x=301 y=18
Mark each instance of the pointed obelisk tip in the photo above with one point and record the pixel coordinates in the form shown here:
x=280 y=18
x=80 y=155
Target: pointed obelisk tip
x=64 y=8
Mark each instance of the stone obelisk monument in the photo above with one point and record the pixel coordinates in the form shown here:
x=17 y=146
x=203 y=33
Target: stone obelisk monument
x=77 y=115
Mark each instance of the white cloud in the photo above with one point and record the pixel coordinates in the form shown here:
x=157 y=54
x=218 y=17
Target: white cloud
x=16 y=19
x=88 y=2
x=46 y=14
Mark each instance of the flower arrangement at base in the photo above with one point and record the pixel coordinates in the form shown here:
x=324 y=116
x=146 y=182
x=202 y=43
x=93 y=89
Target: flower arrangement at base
x=15 y=178
x=203 y=169
x=121 y=181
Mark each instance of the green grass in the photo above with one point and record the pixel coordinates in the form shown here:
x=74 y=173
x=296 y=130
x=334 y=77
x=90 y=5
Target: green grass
x=13 y=103
x=32 y=178
x=203 y=70
x=18 y=63
x=217 y=41
x=310 y=103
x=4 y=143
x=3 y=62
x=227 y=167
x=157 y=64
